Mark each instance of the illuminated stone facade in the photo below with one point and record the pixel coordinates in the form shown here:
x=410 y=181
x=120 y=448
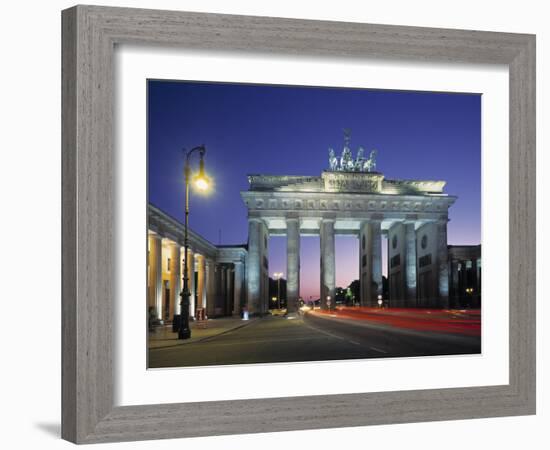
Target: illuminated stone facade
x=413 y=214
x=216 y=273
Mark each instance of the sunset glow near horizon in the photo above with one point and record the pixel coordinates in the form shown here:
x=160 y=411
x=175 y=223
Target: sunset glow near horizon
x=282 y=130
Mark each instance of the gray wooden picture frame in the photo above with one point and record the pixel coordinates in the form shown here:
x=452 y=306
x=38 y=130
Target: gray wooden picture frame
x=89 y=35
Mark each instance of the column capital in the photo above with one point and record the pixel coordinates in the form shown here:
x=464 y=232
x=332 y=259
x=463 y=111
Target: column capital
x=411 y=219
x=328 y=219
x=255 y=219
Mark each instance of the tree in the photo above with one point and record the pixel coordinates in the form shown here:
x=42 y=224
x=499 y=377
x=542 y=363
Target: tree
x=340 y=295
x=355 y=288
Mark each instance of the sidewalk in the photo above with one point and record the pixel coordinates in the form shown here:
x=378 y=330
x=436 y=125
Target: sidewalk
x=164 y=337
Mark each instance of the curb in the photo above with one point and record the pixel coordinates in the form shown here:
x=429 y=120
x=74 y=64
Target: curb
x=242 y=325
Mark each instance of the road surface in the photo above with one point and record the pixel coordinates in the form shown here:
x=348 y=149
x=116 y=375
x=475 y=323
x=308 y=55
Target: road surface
x=311 y=338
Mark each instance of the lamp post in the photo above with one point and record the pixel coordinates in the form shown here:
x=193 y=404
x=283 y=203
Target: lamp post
x=201 y=183
x=278 y=275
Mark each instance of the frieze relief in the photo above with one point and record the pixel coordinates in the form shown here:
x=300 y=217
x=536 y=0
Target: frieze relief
x=328 y=204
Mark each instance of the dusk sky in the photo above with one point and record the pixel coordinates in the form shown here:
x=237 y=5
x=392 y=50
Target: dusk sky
x=282 y=130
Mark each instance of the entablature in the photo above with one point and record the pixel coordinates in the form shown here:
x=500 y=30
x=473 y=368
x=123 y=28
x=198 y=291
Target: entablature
x=344 y=202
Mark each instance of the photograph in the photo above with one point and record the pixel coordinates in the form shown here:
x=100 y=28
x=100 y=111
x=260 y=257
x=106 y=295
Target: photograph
x=305 y=223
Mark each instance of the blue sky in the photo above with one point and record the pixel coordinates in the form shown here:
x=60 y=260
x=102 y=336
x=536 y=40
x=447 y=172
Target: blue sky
x=267 y=129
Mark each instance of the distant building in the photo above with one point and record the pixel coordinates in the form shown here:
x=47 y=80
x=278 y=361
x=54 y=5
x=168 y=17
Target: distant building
x=277 y=289
x=465 y=276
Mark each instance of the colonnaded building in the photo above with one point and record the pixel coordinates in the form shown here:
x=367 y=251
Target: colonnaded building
x=216 y=272
x=350 y=198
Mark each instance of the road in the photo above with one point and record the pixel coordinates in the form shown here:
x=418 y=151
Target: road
x=310 y=338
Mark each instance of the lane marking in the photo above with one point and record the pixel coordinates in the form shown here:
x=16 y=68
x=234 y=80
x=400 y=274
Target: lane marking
x=331 y=335
x=377 y=350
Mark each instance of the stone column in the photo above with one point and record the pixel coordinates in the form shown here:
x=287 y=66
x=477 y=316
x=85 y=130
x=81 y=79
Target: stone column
x=454 y=281
x=237 y=296
x=443 y=263
x=474 y=282
x=264 y=258
x=175 y=278
x=328 y=268
x=474 y=273
x=210 y=288
x=224 y=289
x=230 y=291
x=376 y=252
x=410 y=264
x=191 y=281
x=254 y=266
x=478 y=282
x=150 y=272
x=364 y=265
x=156 y=273
x=370 y=262
x=292 y=263
x=201 y=281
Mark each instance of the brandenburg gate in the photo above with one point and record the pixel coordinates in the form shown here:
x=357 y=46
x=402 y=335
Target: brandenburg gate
x=352 y=198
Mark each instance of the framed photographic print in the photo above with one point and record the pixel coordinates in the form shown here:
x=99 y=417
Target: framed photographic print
x=264 y=216
x=345 y=263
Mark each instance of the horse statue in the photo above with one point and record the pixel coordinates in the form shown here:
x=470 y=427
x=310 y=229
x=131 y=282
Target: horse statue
x=370 y=164
x=359 y=160
x=346 y=161
x=332 y=160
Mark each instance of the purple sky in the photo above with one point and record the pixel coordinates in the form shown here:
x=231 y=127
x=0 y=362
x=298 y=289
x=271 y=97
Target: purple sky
x=286 y=130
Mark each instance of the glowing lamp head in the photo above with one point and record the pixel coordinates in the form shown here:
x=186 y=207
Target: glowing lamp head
x=201 y=181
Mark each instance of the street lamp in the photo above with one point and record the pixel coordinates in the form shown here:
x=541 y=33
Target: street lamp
x=278 y=276
x=201 y=182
